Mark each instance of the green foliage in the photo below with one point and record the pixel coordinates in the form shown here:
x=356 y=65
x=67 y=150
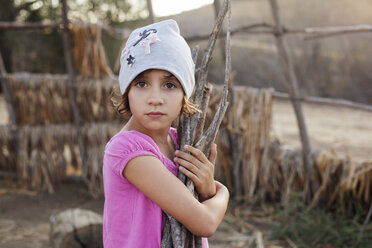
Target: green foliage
x=317 y=228
x=37 y=10
x=102 y=11
x=107 y=11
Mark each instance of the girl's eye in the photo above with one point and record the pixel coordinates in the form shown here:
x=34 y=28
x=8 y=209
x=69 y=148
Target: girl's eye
x=170 y=85
x=141 y=84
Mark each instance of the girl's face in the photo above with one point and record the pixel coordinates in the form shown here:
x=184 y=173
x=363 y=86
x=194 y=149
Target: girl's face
x=155 y=99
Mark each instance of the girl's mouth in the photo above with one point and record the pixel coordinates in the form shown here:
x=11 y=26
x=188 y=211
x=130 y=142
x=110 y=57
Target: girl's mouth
x=154 y=114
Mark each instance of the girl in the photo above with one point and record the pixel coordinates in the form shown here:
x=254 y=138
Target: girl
x=139 y=166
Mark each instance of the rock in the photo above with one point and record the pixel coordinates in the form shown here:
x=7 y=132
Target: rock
x=76 y=228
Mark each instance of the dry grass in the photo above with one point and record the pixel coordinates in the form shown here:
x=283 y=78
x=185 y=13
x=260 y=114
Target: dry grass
x=43 y=98
x=89 y=53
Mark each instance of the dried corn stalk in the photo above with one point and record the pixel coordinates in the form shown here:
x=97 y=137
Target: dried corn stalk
x=40 y=161
x=96 y=135
x=44 y=99
x=89 y=53
x=8 y=149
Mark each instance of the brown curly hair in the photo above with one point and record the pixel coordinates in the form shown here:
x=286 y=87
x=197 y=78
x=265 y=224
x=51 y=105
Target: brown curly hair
x=120 y=103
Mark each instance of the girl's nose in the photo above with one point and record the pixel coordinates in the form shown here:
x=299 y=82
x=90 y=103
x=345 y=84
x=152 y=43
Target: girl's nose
x=155 y=98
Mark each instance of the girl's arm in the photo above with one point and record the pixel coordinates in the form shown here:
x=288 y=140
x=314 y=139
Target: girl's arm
x=153 y=179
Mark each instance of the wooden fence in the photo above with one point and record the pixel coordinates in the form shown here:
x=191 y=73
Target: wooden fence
x=76 y=111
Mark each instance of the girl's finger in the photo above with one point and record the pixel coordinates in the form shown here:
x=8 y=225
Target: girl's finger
x=197 y=153
x=189 y=174
x=188 y=157
x=213 y=154
x=191 y=167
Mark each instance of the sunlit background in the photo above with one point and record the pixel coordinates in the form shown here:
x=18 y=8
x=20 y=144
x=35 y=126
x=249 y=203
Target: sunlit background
x=171 y=7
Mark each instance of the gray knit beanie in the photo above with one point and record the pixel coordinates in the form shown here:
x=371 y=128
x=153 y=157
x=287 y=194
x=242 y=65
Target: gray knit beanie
x=157 y=46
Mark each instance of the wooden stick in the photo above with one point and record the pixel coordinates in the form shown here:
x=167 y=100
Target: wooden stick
x=118 y=33
x=310 y=33
x=294 y=92
x=243 y=29
x=9 y=26
x=9 y=105
x=203 y=70
x=234 y=140
x=181 y=237
x=71 y=83
x=167 y=237
x=203 y=108
x=210 y=135
x=216 y=7
x=325 y=32
x=2 y=66
x=205 y=143
x=368 y=218
x=151 y=17
x=6 y=92
x=330 y=101
x=123 y=33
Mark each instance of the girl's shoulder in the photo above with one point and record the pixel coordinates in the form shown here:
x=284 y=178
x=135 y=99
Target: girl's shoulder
x=130 y=141
x=126 y=142
x=123 y=147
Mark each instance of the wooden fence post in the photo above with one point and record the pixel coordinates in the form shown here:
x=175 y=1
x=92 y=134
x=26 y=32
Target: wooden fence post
x=5 y=88
x=151 y=12
x=71 y=84
x=217 y=7
x=294 y=93
x=9 y=104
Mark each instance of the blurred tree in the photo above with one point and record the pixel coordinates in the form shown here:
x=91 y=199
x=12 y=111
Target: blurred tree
x=102 y=11
x=108 y=11
x=8 y=12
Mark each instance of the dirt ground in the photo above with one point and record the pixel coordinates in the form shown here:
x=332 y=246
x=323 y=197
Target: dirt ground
x=24 y=214
x=341 y=130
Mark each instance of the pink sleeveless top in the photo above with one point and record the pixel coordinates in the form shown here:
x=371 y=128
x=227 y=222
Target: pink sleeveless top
x=130 y=219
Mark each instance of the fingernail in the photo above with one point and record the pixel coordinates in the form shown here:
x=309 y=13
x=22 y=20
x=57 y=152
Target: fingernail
x=186 y=146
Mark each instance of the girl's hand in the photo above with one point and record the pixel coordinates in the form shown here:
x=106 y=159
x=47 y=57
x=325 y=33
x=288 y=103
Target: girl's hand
x=199 y=169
